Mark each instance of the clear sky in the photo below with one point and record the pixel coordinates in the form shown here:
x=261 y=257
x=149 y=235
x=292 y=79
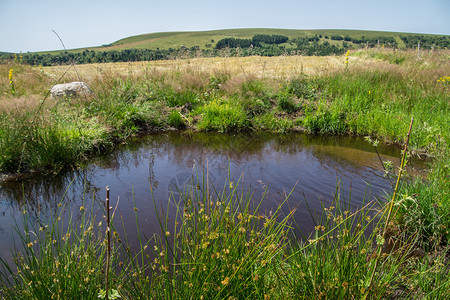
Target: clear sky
x=26 y=25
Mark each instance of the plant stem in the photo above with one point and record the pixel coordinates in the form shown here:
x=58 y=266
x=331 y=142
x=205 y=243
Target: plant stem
x=391 y=205
x=108 y=234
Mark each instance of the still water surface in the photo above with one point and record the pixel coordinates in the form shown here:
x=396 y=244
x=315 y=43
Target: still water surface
x=278 y=163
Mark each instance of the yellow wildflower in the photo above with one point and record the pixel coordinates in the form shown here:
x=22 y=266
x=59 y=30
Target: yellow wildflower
x=226 y=281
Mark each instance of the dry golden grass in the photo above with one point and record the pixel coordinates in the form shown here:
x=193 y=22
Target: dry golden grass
x=10 y=104
x=32 y=83
x=265 y=67
x=197 y=70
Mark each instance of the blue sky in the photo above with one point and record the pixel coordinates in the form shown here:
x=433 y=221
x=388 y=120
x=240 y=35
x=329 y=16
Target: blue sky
x=26 y=25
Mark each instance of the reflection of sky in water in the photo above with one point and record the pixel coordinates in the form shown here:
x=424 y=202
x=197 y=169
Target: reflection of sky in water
x=312 y=164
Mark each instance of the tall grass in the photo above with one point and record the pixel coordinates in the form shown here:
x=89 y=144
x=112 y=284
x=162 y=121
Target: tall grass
x=370 y=97
x=60 y=258
x=338 y=259
x=51 y=141
x=221 y=246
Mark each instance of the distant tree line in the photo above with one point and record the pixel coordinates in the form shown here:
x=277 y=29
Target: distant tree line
x=261 y=44
x=410 y=41
x=90 y=56
x=256 y=41
x=426 y=41
x=270 y=39
x=319 y=49
x=236 y=43
x=368 y=42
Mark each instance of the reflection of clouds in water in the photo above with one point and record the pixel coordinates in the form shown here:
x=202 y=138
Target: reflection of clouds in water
x=185 y=182
x=277 y=162
x=43 y=193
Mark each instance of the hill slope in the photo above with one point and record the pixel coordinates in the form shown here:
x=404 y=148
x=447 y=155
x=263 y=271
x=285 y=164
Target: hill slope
x=208 y=39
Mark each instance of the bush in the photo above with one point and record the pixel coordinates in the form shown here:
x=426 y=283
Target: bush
x=222 y=117
x=325 y=122
x=176 y=120
x=302 y=88
x=286 y=102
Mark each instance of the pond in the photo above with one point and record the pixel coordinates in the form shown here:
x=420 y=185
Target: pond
x=271 y=164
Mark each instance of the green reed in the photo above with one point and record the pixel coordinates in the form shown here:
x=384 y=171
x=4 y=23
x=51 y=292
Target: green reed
x=220 y=245
x=61 y=258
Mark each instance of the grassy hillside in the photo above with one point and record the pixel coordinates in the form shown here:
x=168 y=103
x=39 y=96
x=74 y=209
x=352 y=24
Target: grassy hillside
x=203 y=39
x=234 y=42
x=165 y=40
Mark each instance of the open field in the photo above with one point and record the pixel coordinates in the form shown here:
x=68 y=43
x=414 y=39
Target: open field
x=282 y=67
x=372 y=93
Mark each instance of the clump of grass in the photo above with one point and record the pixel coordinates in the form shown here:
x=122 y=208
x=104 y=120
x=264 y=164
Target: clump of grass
x=325 y=122
x=222 y=117
x=217 y=80
x=49 y=142
x=220 y=247
x=63 y=259
x=286 y=102
x=268 y=122
x=303 y=88
x=253 y=106
x=176 y=120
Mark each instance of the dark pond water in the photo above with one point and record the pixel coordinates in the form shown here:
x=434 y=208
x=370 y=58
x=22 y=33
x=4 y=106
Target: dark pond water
x=313 y=165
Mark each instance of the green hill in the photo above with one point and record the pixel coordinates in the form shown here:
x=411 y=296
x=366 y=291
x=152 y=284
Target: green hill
x=235 y=42
x=208 y=39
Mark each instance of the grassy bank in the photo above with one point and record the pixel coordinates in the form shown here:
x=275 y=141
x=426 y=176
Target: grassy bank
x=375 y=93
x=318 y=95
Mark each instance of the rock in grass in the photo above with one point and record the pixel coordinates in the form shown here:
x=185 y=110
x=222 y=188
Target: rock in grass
x=72 y=89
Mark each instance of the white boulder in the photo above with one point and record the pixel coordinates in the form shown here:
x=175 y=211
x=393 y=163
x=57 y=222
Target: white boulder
x=72 y=89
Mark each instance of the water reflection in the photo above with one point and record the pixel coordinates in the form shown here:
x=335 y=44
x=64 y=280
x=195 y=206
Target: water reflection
x=314 y=165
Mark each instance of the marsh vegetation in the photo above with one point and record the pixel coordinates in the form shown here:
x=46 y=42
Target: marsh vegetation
x=222 y=247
